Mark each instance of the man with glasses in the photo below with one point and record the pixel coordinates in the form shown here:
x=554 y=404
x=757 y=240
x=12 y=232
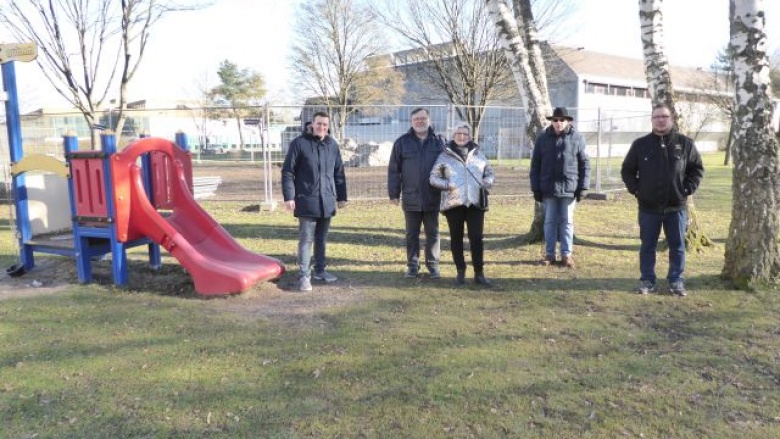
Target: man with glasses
x=411 y=161
x=560 y=173
x=661 y=170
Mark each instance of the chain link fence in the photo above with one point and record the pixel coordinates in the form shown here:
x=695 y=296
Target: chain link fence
x=240 y=152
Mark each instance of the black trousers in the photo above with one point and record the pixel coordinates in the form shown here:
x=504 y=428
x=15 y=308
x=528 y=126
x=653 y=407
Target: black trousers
x=474 y=219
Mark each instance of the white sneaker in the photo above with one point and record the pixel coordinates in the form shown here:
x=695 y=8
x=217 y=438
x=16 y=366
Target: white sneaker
x=304 y=283
x=325 y=277
x=646 y=287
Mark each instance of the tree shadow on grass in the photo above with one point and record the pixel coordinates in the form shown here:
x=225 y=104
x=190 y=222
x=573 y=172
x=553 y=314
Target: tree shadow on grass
x=604 y=245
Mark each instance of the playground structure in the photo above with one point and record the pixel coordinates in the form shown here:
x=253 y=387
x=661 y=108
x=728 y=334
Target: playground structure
x=115 y=200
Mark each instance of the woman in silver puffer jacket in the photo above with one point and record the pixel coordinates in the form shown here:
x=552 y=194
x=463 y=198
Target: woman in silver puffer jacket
x=459 y=172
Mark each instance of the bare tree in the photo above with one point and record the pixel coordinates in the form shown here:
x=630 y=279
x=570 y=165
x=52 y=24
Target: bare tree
x=335 y=42
x=722 y=83
x=456 y=52
x=200 y=112
x=752 y=250
x=377 y=86
x=90 y=49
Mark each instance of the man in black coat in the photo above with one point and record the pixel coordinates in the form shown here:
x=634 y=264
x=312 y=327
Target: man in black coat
x=313 y=186
x=411 y=161
x=661 y=170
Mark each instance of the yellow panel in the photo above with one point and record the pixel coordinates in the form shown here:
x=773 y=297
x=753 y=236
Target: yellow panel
x=40 y=162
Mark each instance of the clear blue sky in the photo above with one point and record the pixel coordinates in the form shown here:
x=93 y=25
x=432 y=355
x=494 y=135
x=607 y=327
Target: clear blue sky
x=187 y=47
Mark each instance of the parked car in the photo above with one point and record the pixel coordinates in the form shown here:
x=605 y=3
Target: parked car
x=213 y=150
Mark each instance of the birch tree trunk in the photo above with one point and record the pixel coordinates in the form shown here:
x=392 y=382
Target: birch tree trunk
x=659 y=83
x=659 y=80
x=518 y=36
x=752 y=258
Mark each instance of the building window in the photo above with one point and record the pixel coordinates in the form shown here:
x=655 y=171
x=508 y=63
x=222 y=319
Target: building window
x=594 y=88
x=641 y=93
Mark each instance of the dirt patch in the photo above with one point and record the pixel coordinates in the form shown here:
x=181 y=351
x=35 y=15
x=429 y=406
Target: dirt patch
x=281 y=300
x=49 y=276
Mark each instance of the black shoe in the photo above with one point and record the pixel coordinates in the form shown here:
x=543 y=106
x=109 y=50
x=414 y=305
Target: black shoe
x=480 y=279
x=460 y=279
x=411 y=273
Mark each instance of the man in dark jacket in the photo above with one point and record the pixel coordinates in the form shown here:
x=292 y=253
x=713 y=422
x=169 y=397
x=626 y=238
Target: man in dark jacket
x=560 y=173
x=661 y=170
x=313 y=186
x=411 y=161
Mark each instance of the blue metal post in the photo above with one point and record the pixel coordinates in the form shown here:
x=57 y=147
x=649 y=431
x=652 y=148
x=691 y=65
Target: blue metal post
x=18 y=186
x=181 y=141
x=118 y=249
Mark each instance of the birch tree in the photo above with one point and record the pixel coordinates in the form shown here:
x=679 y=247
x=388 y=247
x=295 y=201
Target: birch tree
x=518 y=35
x=659 y=80
x=659 y=83
x=752 y=253
x=90 y=50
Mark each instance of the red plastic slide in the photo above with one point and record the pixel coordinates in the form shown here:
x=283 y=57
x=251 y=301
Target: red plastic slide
x=217 y=263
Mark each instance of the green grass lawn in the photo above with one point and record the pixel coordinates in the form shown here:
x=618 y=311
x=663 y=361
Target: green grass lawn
x=548 y=353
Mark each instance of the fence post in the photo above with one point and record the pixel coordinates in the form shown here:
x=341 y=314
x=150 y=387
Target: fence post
x=598 y=153
x=269 y=203
x=609 y=150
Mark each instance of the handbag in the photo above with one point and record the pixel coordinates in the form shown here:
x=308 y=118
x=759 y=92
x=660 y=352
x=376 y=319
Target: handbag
x=483 y=198
x=483 y=203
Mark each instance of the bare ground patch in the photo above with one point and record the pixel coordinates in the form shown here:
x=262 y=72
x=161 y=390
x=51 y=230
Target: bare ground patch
x=52 y=275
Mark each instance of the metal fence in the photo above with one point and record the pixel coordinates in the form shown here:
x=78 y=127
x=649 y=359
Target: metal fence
x=249 y=170
x=249 y=173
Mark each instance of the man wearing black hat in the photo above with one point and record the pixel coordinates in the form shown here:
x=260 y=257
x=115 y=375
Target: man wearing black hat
x=560 y=173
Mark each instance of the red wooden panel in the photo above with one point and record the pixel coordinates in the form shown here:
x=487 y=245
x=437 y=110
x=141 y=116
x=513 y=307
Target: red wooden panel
x=89 y=187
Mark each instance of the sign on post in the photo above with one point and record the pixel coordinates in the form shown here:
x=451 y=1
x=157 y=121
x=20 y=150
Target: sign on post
x=23 y=52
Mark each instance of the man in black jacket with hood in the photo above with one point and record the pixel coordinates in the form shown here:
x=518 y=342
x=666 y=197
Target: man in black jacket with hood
x=313 y=186
x=661 y=170
x=411 y=161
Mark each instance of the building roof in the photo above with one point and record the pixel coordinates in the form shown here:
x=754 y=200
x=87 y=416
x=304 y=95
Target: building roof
x=602 y=67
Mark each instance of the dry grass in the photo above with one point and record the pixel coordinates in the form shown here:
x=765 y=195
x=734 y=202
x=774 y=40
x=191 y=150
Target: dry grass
x=548 y=353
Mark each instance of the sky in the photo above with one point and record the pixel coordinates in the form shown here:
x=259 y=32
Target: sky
x=187 y=47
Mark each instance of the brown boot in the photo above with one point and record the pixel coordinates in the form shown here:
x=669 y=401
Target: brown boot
x=548 y=261
x=567 y=261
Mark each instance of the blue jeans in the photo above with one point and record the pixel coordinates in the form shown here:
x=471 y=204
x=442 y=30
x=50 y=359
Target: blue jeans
x=674 y=225
x=558 y=225
x=312 y=230
x=430 y=223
